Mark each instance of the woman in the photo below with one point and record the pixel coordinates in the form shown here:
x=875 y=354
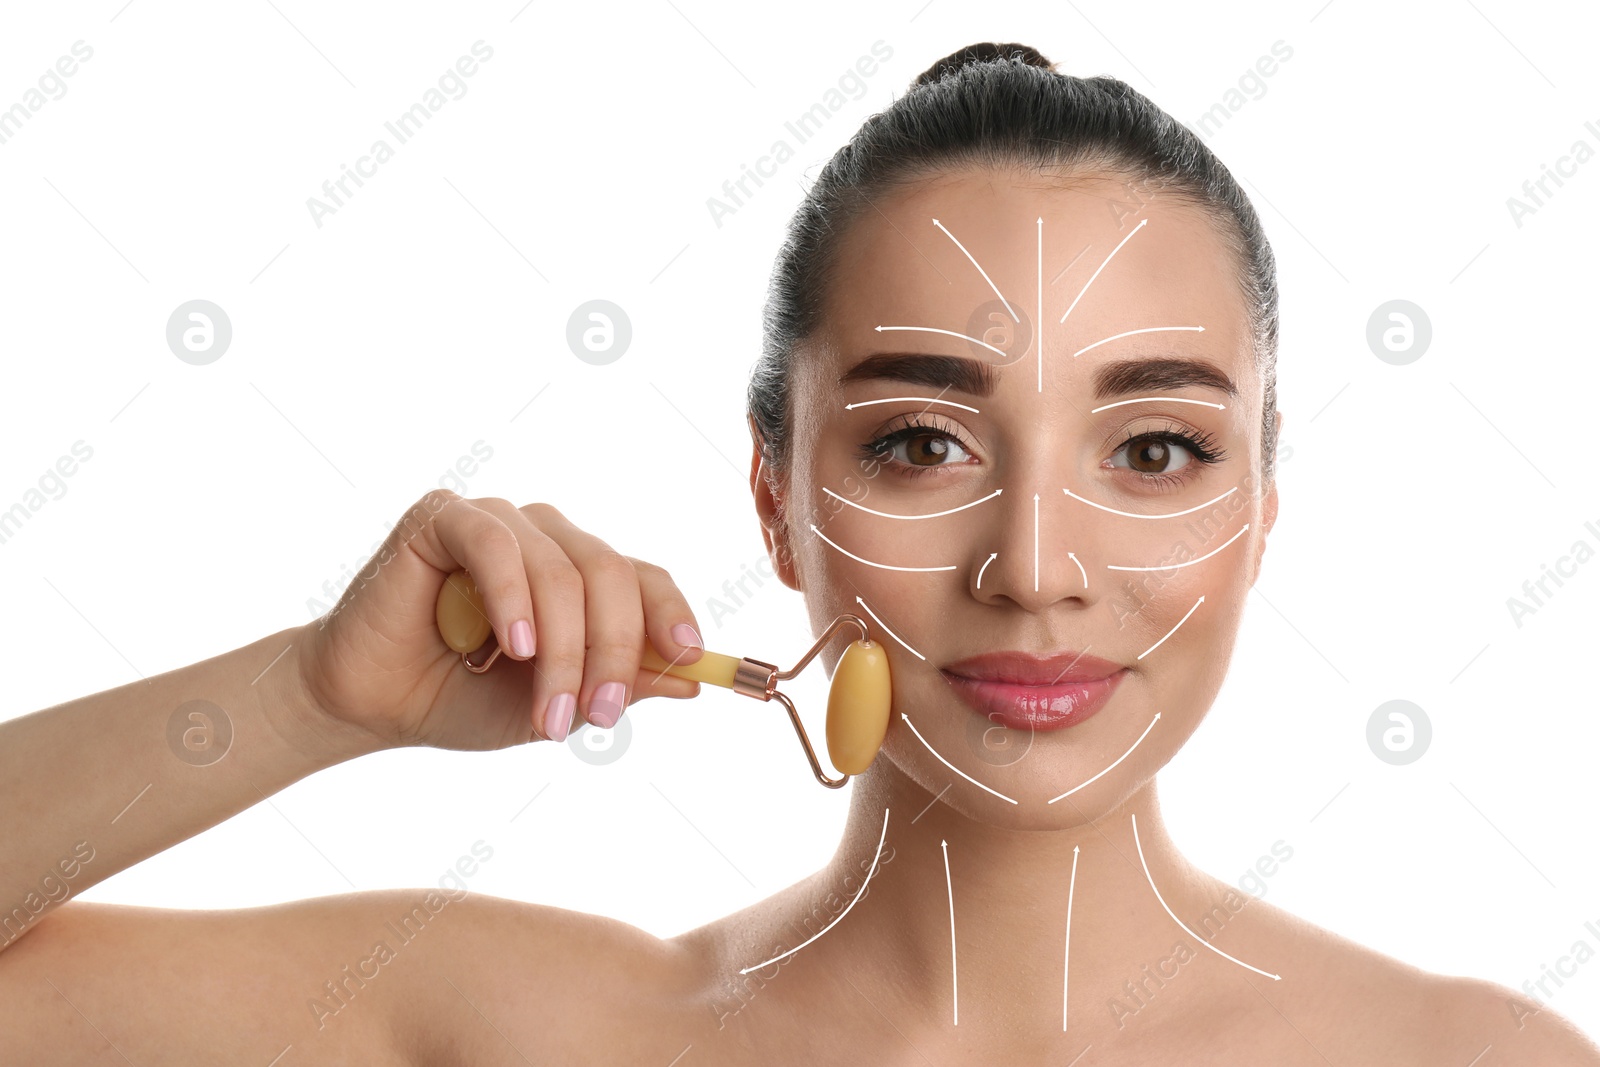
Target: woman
x=1017 y=400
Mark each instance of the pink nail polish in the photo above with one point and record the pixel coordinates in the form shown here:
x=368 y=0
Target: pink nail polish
x=522 y=638
x=684 y=634
x=558 y=716
x=605 y=707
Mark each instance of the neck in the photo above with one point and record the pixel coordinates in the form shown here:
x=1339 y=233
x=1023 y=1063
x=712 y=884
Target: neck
x=1010 y=890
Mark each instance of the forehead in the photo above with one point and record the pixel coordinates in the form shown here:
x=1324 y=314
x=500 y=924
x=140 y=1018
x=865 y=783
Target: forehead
x=947 y=251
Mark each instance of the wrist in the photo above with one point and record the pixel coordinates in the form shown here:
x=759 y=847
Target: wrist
x=289 y=706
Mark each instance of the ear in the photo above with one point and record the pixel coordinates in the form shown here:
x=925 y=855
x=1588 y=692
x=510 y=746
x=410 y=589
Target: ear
x=1269 y=503
x=769 y=509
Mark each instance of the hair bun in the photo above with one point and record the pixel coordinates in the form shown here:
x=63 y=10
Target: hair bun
x=985 y=52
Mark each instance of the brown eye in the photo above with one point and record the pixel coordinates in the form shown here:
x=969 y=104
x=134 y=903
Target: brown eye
x=919 y=447
x=915 y=449
x=1152 y=454
x=927 y=450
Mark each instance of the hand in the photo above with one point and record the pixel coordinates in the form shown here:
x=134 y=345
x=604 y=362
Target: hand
x=378 y=675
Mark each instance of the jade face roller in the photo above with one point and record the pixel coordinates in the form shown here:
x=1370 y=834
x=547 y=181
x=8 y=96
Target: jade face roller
x=858 y=699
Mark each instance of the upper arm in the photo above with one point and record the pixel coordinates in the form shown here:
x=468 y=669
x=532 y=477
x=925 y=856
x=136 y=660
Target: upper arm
x=1517 y=1028
x=325 y=977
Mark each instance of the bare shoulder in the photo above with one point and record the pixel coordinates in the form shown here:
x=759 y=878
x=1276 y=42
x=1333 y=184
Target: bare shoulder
x=1516 y=1028
x=1367 y=1005
x=397 y=977
x=511 y=979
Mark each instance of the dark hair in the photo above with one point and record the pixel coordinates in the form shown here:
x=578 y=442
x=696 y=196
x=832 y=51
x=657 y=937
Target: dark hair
x=1001 y=104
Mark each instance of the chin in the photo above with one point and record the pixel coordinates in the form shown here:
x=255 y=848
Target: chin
x=1031 y=767
x=1031 y=789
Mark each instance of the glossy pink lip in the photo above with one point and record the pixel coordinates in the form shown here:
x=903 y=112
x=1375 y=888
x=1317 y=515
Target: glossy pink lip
x=1027 y=692
x=1025 y=668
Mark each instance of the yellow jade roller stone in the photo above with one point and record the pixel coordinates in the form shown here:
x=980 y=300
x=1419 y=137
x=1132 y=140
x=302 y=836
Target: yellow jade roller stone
x=858 y=706
x=459 y=612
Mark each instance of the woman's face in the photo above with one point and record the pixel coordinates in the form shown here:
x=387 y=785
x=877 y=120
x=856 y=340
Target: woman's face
x=1030 y=507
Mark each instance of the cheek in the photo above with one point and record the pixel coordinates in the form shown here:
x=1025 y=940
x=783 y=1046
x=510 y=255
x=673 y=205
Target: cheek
x=1160 y=612
x=1207 y=555
x=895 y=574
x=873 y=557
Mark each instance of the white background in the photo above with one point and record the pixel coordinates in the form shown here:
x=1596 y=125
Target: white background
x=430 y=311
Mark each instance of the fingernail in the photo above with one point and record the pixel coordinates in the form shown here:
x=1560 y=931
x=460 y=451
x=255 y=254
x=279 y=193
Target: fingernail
x=684 y=634
x=522 y=638
x=605 y=707
x=558 y=715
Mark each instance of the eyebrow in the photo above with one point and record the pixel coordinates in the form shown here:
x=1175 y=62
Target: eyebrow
x=974 y=377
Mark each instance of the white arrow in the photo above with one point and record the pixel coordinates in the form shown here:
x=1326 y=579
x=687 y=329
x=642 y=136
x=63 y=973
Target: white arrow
x=1066 y=973
x=1120 y=758
x=954 y=1001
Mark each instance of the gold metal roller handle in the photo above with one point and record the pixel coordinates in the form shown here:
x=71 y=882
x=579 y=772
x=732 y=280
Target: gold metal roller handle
x=859 y=697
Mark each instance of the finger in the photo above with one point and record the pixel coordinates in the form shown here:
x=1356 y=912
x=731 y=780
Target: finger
x=613 y=617
x=483 y=544
x=558 y=622
x=667 y=616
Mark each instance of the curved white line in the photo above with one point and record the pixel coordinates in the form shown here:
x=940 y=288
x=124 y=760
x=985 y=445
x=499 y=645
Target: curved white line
x=1100 y=268
x=1119 y=759
x=948 y=333
x=1190 y=563
x=1172 y=631
x=842 y=914
x=1131 y=515
x=947 y=763
x=869 y=563
x=930 y=515
x=997 y=292
x=985 y=567
x=1266 y=974
x=1140 y=400
x=1130 y=333
x=929 y=399
x=888 y=631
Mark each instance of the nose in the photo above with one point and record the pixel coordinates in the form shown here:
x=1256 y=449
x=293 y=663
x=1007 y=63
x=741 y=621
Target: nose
x=1035 y=550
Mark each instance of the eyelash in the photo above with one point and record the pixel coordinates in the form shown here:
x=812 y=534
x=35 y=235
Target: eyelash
x=1202 y=446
